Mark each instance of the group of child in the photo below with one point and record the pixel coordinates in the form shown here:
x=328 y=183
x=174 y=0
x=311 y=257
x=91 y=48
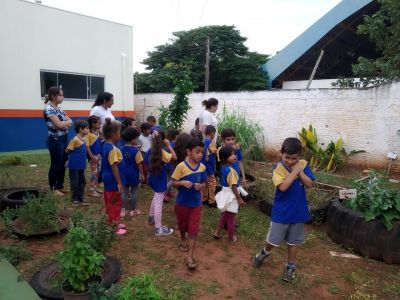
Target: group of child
x=122 y=157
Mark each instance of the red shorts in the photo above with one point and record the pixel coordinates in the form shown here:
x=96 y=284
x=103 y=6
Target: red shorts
x=113 y=204
x=188 y=219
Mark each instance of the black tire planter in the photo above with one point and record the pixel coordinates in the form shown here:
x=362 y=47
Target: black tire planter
x=41 y=280
x=251 y=181
x=14 y=197
x=19 y=227
x=369 y=239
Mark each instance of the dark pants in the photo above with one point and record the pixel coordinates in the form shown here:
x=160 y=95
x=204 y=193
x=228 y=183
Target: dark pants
x=77 y=184
x=228 y=220
x=58 y=157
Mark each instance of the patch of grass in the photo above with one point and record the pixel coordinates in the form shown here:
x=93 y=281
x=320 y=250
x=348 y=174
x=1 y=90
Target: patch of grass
x=15 y=253
x=392 y=288
x=333 y=289
x=10 y=160
x=174 y=287
x=253 y=224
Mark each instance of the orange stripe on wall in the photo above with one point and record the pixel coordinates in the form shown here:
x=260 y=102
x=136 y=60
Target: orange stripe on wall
x=35 y=113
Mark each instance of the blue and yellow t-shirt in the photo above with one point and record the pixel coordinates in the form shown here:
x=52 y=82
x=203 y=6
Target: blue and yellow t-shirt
x=159 y=182
x=111 y=155
x=208 y=156
x=236 y=164
x=77 y=156
x=93 y=141
x=189 y=197
x=132 y=158
x=290 y=207
x=228 y=176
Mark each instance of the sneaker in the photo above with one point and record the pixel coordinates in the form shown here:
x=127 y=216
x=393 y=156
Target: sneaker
x=121 y=226
x=123 y=213
x=134 y=212
x=259 y=258
x=93 y=193
x=84 y=203
x=164 y=231
x=120 y=231
x=76 y=203
x=150 y=220
x=288 y=276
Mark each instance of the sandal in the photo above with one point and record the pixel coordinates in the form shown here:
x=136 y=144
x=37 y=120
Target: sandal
x=216 y=237
x=183 y=248
x=191 y=265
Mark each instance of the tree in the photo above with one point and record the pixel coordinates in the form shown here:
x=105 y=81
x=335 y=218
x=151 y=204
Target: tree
x=383 y=29
x=232 y=66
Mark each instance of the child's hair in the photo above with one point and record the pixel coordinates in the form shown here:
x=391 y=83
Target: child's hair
x=110 y=128
x=291 y=146
x=93 y=120
x=52 y=93
x=151 y=119
x=193 y=143
x=156 y=163
x=197 y=122
x=227 y=132
x=130 y=134
x=225 y=152
x=126 y=122
x=197 y=134
x=210 y=130
x=180 y=146
x=172 y=134
x=80 y=124
x=101 y=98
x=145 y=126
x=210 y=102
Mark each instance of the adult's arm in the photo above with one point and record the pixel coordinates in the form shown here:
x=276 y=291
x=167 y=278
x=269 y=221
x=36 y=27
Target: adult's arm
x=61 y=125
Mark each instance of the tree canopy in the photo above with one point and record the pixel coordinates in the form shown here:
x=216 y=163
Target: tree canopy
x=383 y=29
x=232 y=66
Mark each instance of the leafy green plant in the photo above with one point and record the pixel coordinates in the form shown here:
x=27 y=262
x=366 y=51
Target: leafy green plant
x=328 y=159
x=15 y=253
x=79 y=262
x=7 y=217
x=375 y=201
x=139 y=287
x=249 y=134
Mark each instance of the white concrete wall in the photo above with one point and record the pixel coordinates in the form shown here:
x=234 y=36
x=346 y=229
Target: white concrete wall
x=35 y=37
x=367 y=119
x=302 y=84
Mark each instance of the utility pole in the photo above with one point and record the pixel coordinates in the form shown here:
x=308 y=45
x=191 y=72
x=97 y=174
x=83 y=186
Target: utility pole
x=207 y=66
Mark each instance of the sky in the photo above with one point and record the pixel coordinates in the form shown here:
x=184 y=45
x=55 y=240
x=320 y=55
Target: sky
x=269 y=25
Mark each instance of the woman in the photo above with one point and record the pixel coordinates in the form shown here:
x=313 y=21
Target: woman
x=57 y=123
x=207 y=116
x=102 y=107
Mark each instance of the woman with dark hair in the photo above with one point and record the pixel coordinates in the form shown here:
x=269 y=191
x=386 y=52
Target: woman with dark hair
x=207 y=116
x=57 y=123
x=102 y=107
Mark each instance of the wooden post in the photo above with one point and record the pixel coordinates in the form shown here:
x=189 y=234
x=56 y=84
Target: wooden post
x=315 y=69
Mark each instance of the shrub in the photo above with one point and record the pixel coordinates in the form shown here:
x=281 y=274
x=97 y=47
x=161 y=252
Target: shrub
x=14 y=253
x=374 y=201
x=12 y=160
x=249 y=134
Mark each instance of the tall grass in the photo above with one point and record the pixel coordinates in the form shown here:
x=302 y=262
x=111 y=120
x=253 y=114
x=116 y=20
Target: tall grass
x=249 y=134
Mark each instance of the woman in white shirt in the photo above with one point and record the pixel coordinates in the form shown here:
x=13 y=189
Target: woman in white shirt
x=207 y=116
x=102 y=107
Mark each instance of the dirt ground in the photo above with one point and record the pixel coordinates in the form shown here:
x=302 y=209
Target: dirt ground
x=225 y=270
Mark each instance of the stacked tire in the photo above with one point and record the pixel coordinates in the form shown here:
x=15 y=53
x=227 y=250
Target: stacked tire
x=15 y=197
x=369 y=239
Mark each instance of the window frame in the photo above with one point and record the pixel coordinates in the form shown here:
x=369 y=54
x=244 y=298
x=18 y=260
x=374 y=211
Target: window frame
x=88 y=83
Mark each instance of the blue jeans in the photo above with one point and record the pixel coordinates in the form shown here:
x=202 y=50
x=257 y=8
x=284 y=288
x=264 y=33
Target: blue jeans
x=58 y=157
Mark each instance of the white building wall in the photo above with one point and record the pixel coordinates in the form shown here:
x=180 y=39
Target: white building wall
x=35 y=37
x=302 y=84
x=367 y=119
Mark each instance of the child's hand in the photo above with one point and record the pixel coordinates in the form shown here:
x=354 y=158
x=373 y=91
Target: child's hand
x=119 y=188
x=187 y=184
x=197 y=186
x=297 y=168
x=95 y=159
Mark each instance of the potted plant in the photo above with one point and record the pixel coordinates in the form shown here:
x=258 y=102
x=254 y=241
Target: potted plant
x=79 y=263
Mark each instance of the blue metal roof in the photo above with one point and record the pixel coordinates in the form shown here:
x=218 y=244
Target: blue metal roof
x=286 y=57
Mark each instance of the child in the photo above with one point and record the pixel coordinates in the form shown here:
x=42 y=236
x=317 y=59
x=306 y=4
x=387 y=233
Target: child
x=77 y=163
x=157 y=160
x=153 y=122
x=112 y=171
x=228 y=199
x=145 y=142
x=210 y=149
x=127 y=122
x=93 y=149
x=196 y=127
x=133 y=168
x=228 y=138
x=290 y=210
x=172 y=135
x=189 y=177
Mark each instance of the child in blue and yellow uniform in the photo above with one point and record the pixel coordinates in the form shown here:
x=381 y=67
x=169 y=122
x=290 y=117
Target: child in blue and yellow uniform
x=210 y=149
x=228 y=199
x=157 y=160
x=189 y=177
x=77 y=162
x=112 y=170
x=93 y=149
x=290 y=210
x=133 y=171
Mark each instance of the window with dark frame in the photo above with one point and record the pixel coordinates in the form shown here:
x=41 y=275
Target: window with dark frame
x=75 y=86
